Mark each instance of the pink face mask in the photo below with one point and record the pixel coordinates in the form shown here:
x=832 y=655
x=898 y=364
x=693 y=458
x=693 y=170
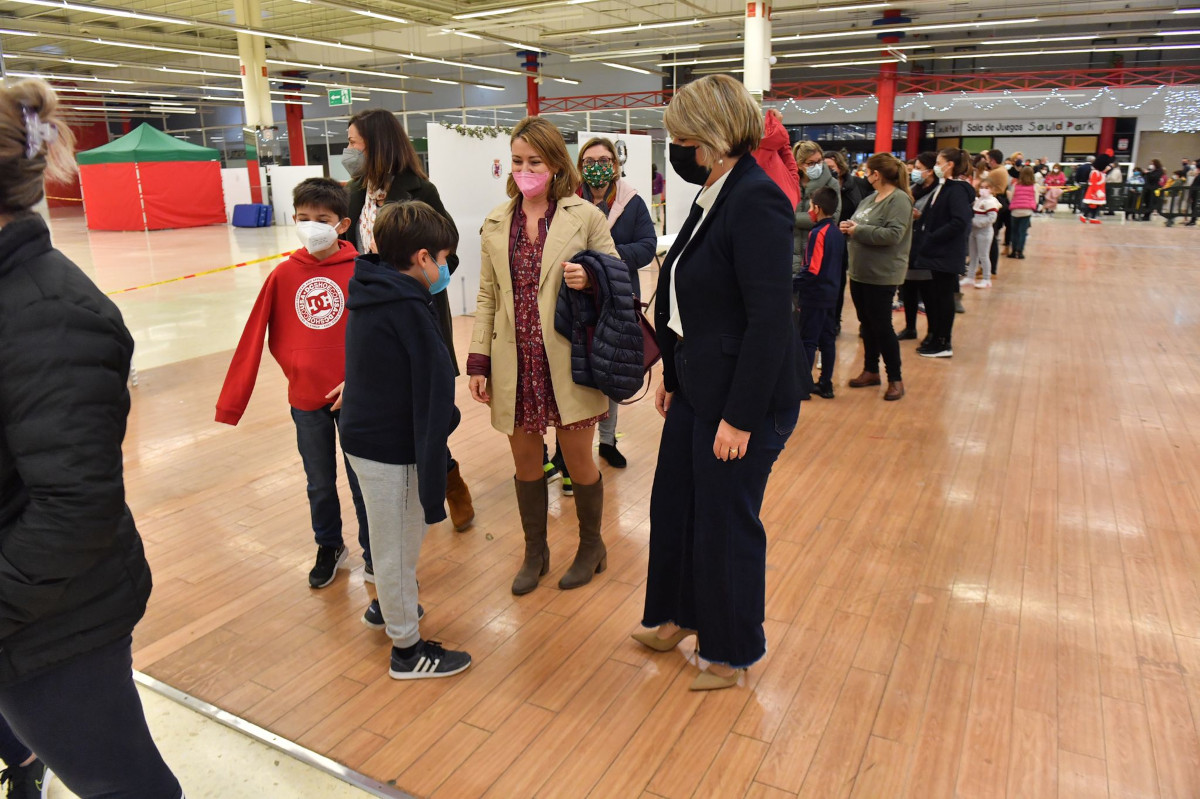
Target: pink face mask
x=532 y=184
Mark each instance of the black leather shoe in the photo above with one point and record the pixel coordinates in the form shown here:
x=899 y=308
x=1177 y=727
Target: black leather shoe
x=614 y=458
x=907 y=334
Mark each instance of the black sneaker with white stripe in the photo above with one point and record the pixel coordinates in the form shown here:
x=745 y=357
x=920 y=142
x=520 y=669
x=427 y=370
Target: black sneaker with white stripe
x=429 y=659
x=373 y=618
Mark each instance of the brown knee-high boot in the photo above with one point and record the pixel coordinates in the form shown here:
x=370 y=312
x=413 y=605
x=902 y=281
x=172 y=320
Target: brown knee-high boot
x=592 y=557
x=532 y=504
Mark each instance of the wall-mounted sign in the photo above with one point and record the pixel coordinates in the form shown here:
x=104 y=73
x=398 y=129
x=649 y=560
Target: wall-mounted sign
x=945 y=129
x=1032 y=127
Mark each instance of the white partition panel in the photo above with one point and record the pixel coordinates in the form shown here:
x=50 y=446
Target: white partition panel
x=470 y=175
x=284 y=180
x=236 y=185
x=637 y=159
x=680 y=195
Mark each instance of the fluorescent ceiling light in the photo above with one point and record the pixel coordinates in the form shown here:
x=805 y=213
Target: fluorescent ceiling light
x=626 y=67
x=302 y=39
x=160 y=48
x=644 y=26
x=1141 y=48
x=104 y=11
x=885 y=29
x=464 y=34
x=698 y=61
x=328 y=68
x=489 y=87
x=1186 y=11
x=159 y=110
x=204 y=72
x=520 y=46
x=853 y=7
x=568 y=81
x=10 y=32
x=495 y=12
x=283 y=93
x=87 y=78
x=375 y=14
x=61 y=59
x=675 y=48
x=442 y=81
x=860 y=63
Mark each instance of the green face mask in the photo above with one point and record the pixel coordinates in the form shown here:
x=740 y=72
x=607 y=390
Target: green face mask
x=598 y=175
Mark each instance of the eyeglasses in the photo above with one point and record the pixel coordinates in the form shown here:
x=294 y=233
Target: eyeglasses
x=595 y=161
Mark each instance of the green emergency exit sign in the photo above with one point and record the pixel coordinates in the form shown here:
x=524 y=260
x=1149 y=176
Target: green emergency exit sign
x=339 y=97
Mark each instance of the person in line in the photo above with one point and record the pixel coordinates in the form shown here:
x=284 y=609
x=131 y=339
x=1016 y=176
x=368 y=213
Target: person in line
x=984 y=210
x=945 y=231
x=1096 y=196
x=384 y=168
x=724 y=322
x=999 y=178
x=301 y=311
x=1080 y=180
x=853 y=188
x=1055 y=181
x=75 y=580
x=518 y=364
x=817 y=285
x=635 y=239
x=1151 y=201
x=916 y=280
x=880 y=236
x=658 y=188
x=1022 y=202
x=397 y=413
x=814 y=175
x=774 y=154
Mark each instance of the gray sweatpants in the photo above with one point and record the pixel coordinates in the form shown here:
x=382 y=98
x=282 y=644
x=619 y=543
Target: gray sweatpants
x=396 y=522
x=978 y=254
x=608 y=428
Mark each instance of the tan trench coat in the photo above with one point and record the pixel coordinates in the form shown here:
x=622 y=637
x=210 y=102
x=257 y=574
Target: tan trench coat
x=577 y=226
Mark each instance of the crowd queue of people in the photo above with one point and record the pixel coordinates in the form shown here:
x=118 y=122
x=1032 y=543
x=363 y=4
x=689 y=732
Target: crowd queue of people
x=749 y=296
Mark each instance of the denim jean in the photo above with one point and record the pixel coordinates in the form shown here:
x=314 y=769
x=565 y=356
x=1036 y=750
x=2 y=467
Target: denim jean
x=316 y=438
x=1020 y=232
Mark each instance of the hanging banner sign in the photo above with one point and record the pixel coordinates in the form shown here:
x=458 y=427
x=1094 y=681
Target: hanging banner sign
x=945 y=129
x=1032 y=127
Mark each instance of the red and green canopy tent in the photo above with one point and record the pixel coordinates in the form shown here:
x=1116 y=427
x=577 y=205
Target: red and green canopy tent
x=150 y=180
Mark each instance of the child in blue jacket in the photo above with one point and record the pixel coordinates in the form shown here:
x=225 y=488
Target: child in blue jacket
x=817 y=286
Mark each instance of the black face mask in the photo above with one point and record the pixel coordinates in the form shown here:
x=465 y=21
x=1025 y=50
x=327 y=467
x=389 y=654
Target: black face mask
x=683 y=161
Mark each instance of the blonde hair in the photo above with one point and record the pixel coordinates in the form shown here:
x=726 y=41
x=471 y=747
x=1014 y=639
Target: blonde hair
x=547 y=141
x=718 y=114
x=22 y=176
x=804 y=150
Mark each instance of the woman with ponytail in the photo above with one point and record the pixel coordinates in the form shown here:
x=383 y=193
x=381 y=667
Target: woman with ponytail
x=75 y=579
x=880 y=237
x=945 y=231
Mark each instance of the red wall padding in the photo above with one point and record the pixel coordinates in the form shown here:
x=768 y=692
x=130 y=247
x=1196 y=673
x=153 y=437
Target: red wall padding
x=110 y=193
x=181 y=194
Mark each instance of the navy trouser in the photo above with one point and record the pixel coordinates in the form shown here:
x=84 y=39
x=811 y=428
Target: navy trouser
x=84 y=719
x=12 y=751
x=874 y=306
x=1020 y=231
x=316 y=438
x=708 y=548
x=816 y=334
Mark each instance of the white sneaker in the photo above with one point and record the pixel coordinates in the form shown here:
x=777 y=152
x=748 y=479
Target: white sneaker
x=965 y=281
x=983 y=284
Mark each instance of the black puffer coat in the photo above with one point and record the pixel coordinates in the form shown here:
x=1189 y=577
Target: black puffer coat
x=609 y=309
x=73 y=575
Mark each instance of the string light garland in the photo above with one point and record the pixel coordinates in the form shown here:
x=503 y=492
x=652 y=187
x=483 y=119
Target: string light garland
x=1183 y=111
x=1188 y=108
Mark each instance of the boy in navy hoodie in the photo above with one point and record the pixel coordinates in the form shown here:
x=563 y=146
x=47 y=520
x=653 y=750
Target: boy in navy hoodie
x=817 y=287
x=301 y=311
x=397 y=413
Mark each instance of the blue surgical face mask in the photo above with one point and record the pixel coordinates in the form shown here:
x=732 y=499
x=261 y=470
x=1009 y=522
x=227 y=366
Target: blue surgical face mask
x=443 y=278
x=917 y=176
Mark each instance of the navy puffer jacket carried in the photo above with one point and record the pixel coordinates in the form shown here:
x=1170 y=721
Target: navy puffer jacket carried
x=608 y=311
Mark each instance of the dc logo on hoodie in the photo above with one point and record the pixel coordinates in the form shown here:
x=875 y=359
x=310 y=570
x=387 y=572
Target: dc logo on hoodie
x=319 y=303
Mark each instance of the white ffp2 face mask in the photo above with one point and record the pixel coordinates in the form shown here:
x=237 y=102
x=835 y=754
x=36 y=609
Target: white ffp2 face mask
x=316 y=236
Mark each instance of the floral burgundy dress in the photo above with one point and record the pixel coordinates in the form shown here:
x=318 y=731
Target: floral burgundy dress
x=537 y=409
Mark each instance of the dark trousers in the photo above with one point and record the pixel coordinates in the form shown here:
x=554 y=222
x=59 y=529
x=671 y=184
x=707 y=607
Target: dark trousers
x=1002 y=222
x=84 y=719
x=841 y=300
x=1020 y=232
x=1150 y=201
x=874 y=307
x=12 y=751
x=708 y=548
x=1091 y=211
x=816 y=334
x=912 y=294
x=939 y=305
x=316 y=438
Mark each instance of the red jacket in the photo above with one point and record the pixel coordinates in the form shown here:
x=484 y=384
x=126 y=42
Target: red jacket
x=774 y=155
x=302 y=312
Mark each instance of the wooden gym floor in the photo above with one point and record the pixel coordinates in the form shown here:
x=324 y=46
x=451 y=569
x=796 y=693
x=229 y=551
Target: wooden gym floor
x=985 y=590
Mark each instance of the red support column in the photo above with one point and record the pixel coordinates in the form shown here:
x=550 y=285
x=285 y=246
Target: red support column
x=532 y=102
x=297 y=152
x=1108 y=131
x=885 y=92
x=912 y=146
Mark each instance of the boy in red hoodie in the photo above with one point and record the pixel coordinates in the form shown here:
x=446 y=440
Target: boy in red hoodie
x=302 y=312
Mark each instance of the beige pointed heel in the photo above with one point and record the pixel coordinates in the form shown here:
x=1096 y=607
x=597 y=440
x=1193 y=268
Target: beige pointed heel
x=650 y=638
x=707 y=681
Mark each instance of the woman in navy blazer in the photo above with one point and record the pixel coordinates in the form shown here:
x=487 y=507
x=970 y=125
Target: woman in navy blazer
x=945 y=227
x=729 y=393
